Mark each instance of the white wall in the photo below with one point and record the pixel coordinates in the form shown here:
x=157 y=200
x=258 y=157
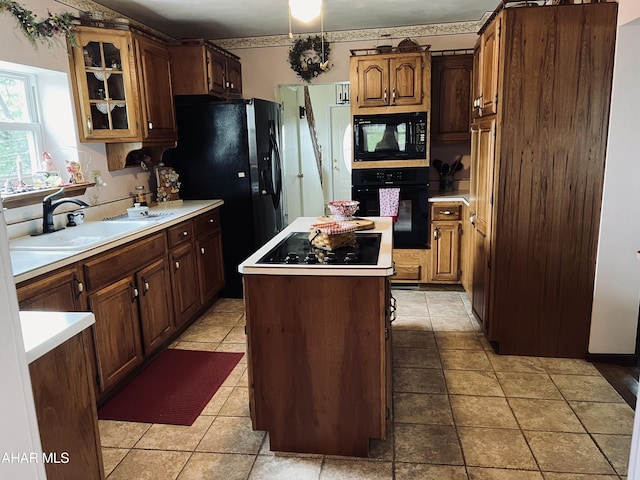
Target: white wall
x=265 y=68
x=617 y=283
x=62 y=139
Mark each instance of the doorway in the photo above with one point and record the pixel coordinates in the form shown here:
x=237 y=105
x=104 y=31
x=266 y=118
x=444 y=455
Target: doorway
x=308 y=186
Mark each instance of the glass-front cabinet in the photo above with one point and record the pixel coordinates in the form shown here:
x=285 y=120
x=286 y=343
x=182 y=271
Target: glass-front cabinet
x=106 y=86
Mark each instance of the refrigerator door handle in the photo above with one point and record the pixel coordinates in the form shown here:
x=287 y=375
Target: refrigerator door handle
x=278 y=168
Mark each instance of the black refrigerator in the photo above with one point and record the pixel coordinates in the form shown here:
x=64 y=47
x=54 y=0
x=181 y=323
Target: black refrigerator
x=231 y=151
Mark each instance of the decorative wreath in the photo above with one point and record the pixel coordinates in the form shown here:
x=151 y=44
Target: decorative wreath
x=61 y=24
x=308 y=58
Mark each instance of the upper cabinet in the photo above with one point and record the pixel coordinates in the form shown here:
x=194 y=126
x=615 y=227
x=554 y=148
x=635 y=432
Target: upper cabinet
x=387 y=81
x=156 y=105
x=122 y=87
x=203 y=68
x=487 y=62
x=451 y=97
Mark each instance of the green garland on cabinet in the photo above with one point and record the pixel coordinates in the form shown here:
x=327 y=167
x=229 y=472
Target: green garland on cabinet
x=309 y=57
x=59 y=24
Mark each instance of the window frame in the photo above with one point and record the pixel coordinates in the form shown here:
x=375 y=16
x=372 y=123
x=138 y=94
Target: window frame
x=34 y=126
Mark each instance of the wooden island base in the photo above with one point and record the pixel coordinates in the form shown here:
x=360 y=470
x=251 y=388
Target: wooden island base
x=319 y=361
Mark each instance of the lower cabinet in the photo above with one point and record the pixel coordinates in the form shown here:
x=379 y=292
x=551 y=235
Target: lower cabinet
x=140 y=294
x=156 y=314
x=210 y=270
x=319 y=370
x=60 y=291
x=184 y=280
x=209 y=251
x=67 y=417
x=411 y=265
x=445 y=243
x=117 y=330
x=127 y=292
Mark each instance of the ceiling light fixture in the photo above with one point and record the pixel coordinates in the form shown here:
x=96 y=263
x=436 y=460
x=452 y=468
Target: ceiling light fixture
x=305 y=10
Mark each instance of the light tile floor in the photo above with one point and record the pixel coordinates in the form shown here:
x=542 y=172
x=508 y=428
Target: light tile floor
x=460 y=413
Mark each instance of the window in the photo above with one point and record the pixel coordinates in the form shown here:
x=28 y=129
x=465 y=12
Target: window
x=20 y=130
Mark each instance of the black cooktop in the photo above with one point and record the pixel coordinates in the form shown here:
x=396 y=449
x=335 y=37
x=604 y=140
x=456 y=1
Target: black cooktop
x=296 y=249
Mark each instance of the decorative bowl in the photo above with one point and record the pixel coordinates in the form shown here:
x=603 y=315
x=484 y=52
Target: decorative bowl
x=343 y=209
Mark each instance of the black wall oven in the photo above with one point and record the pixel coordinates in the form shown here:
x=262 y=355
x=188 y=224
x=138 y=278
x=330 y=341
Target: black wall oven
x=411 y=230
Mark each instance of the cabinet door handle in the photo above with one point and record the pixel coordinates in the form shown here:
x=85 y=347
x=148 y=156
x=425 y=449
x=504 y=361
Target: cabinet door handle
x=185 y=234
x=202 y=250
x=385 y=95
x=89 y=125
x=211 y=220
x=79 y=286
x=135 y=293
x=150 y=125
x=393 y=96
x=435 y=233
x=393 y=309
x=177 y=264
x=145 y=285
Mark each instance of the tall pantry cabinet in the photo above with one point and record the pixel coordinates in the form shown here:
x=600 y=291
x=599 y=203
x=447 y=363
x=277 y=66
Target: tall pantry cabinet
x=541 y=107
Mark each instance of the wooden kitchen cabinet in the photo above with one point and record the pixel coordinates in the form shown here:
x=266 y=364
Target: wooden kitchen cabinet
x=209 y=250
x=154 y=77
x=183 y=263
x=466 y=251
x=63 y=396
x=156 y=312
x=204 y=68
x=122 y=87
x=383 y=82
x=451 y=78
x=117 y=331
x=319 y=370
x=487 y=60
x=60 y=291
x=446 y=230
x=482 y=163
x=412 y=265
x=537 y=198
x=105 y=85
x=126 y=311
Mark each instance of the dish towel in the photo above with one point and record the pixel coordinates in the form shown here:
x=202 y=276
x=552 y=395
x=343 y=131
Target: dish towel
x=389 y=200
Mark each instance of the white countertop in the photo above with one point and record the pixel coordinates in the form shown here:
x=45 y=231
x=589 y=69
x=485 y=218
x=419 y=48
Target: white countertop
x=384 y=267
x=44 y=331
x=453 y=196
x=27 y=264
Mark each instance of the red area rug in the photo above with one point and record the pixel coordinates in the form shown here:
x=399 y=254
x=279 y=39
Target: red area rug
x=173 y=389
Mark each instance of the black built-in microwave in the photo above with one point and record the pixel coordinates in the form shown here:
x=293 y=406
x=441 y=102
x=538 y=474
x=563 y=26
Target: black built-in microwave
x=390 y=136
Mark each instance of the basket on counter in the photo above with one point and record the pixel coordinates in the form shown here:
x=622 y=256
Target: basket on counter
x=332 y=235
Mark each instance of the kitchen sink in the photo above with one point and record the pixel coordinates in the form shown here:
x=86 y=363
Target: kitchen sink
x=83 y=236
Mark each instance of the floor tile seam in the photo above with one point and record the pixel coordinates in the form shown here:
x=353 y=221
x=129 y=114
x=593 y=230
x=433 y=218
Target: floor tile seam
x=582 y=423
x=587 y=433
x=621 y=400
x=119 y=462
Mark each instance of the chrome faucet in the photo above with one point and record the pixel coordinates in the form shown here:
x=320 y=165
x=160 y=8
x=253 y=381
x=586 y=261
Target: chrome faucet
x=48 y=206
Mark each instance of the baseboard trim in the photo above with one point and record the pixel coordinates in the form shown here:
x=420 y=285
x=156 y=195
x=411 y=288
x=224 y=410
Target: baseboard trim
x=625 y=360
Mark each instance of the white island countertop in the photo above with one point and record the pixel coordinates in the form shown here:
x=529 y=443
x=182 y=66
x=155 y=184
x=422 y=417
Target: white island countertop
x=44 y=331
x=384 y=267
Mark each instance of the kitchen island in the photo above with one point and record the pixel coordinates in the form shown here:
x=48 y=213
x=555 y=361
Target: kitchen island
x=319 y=348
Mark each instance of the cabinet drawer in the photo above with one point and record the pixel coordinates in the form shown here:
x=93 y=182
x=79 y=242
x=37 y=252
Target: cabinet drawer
x=408 y=272
x=445 y=212
x=206 y=222
x=121 y=261
x=183 y=232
